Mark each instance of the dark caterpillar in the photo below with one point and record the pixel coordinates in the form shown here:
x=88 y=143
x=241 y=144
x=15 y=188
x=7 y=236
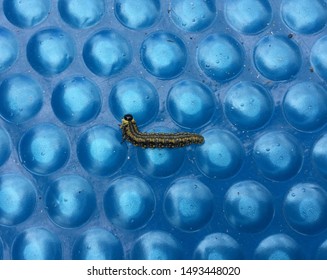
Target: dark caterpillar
x=156 y=140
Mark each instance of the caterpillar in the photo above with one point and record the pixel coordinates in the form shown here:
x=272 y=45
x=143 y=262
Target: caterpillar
x=131 y=133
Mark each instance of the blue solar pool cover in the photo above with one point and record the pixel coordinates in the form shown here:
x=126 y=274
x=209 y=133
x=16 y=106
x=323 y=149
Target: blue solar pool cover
x=248 y=75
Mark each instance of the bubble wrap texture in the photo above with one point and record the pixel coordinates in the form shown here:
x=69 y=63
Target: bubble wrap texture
x=248 y=75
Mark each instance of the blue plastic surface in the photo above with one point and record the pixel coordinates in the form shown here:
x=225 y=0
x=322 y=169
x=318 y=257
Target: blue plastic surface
x=248 y=75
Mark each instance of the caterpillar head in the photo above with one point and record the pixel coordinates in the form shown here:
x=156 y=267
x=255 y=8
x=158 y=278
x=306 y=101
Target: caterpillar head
x=128 y=117
x=126 y=120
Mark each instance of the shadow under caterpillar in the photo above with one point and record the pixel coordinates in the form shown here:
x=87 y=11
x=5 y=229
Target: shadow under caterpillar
x=156 y=140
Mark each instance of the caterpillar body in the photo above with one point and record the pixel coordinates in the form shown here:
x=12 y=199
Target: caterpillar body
x=131 y=133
